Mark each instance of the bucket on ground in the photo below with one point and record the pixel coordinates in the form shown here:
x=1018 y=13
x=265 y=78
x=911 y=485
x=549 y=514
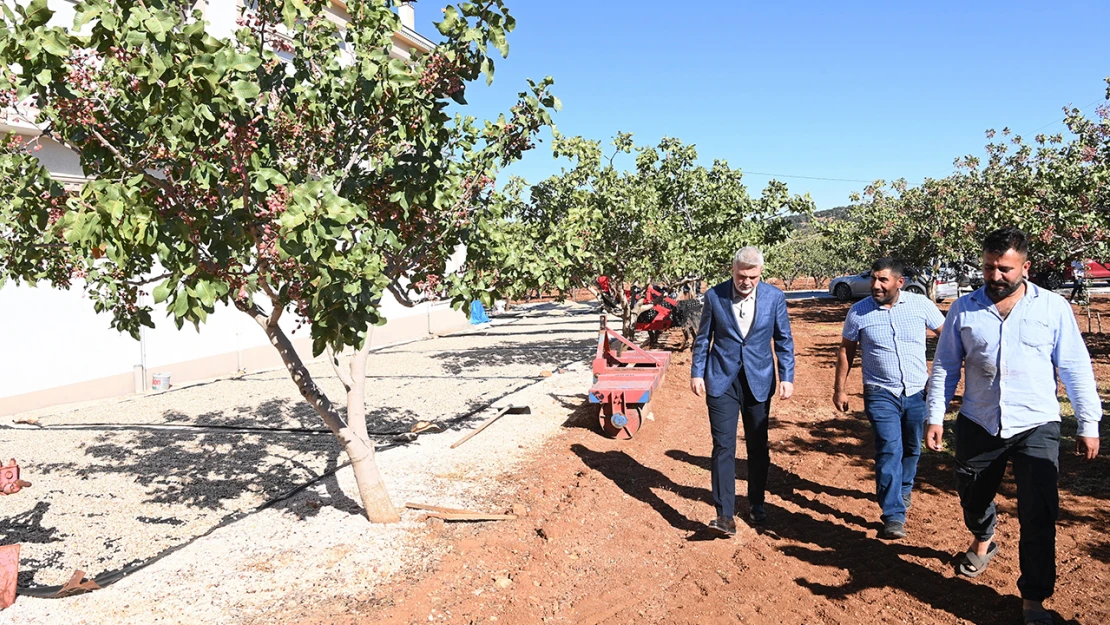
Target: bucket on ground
x=160 y=382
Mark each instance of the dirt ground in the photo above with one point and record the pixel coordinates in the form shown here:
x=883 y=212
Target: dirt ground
x=613 y=531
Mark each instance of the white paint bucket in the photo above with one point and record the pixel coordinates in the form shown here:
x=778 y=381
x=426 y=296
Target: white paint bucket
x=160 y=382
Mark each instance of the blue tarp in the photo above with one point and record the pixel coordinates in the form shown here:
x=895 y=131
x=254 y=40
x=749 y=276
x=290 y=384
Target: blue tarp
x=478 y=313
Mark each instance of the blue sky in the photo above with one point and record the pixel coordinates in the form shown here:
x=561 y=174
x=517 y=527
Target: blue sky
x=850 y=90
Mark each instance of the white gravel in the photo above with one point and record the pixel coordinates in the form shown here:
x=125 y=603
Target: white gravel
x=102 y=500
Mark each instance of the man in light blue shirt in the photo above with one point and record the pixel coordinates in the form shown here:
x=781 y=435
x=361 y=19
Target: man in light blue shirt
x=1013 y=340
x=890 y=328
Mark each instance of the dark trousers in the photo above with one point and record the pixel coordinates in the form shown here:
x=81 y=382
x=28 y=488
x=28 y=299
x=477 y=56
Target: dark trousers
x=898 y=423
x=724 y=412
x=980 y=464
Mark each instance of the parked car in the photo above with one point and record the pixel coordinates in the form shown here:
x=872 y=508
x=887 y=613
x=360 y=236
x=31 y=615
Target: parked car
x=1095 y=271
x=857 y=286
x=1050 y=276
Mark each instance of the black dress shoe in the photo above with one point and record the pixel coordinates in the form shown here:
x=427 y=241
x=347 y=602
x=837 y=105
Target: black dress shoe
x=757 y=514
x=723 y=525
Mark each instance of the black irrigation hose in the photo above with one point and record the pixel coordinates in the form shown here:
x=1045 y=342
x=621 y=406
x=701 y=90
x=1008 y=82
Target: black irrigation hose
x=111 y=577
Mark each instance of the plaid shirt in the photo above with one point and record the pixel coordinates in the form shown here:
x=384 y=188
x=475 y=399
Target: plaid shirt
x=892 y=340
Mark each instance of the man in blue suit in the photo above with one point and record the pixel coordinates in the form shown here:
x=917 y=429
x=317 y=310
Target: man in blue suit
x=734 y=369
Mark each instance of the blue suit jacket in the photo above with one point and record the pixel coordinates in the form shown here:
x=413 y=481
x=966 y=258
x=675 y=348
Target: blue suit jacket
x=720 y=352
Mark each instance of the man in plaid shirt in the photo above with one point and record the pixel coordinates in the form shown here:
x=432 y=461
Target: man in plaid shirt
x=890 y=327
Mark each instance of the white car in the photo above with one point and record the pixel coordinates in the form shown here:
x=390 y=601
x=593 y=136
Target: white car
x=857 y=286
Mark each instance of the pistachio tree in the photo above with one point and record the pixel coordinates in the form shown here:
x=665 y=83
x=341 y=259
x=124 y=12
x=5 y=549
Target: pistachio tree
x=1055 y=187
x=295 y=168
x=665 y=220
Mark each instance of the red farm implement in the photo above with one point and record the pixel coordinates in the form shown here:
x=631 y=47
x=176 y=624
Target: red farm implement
x=624 y=383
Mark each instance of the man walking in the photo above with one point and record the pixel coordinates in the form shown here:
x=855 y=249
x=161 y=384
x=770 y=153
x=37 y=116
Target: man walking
x=890 y=328
x=1013 y=340
x=734 y=369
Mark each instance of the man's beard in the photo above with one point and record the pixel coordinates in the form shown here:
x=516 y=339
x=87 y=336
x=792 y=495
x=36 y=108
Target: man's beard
x=1002 y=289
x=741 y=291
x=888 y=299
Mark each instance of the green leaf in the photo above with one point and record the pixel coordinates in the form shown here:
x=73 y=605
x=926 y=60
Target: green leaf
x=180 y=305
x=497 y=38
x=158 y=24
x=53 y=43
x=450 y=20
x=37 y=14
x=244 y=90
x=162 y=291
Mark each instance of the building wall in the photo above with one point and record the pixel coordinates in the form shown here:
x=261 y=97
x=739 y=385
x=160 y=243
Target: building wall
x=56 y=350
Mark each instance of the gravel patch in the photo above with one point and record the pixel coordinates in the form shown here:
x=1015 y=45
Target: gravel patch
x=102 y=500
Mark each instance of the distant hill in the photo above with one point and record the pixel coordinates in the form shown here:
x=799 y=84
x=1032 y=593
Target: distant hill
x=834 y=213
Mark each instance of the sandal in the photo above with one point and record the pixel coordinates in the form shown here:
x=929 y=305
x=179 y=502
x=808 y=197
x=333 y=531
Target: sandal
x=1037 y=617
x=972 y=564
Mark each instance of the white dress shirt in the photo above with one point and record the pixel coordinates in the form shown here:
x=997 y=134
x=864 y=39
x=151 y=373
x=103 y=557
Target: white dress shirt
x=744 y=309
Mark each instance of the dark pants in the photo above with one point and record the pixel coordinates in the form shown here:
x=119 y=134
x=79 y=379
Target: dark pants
x=980 y=464
x=898 y=422
x=724 y=412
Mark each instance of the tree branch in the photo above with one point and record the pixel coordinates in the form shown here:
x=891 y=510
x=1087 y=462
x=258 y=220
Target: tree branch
x=400 y=294
x=343 y=375
x=149 y=280
x=161 y=184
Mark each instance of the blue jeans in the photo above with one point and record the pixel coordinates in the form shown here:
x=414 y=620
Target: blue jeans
x=898 y=422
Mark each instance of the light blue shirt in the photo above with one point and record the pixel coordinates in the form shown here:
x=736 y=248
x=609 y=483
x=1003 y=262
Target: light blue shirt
x=892 y=340
x=1012 y=364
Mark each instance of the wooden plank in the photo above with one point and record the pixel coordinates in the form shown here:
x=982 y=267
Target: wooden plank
x=456 y=514
x=431 y=508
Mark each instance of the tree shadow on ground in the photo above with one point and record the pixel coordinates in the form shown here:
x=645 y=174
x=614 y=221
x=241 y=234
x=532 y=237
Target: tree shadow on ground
x=294 y=414
x=27 y=528
x=823 y=355
x=545 y=353
x=846 y=545
x=206 y=469
x=848 y=435
x=1098 y=345
x=818 y=310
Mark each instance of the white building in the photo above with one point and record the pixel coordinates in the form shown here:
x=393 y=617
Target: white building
x=57 y=350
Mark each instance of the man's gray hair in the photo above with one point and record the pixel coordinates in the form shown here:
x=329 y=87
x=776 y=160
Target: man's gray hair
x=748 y=257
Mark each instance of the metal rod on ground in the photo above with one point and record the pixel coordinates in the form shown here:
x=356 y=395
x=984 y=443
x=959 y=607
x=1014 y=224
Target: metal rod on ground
x=1099 y=316
x=504 y=411
x=1088 y=319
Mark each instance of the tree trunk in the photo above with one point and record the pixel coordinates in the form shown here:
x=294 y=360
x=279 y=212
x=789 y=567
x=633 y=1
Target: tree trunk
x=628 y=326
x=371 y=489
x=931 y=285
x=352 y=433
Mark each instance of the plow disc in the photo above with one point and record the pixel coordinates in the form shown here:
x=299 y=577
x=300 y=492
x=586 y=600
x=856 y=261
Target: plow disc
x=622 y=425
